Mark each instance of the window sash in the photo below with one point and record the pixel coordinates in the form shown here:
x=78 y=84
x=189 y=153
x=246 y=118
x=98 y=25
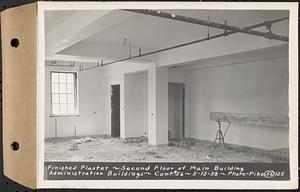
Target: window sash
x=63 y=88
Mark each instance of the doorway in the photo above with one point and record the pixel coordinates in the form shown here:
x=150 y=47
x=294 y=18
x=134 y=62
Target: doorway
x=176 y=107
x=115 y=110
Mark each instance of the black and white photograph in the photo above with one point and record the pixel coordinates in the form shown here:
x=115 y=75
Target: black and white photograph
x=165 y=87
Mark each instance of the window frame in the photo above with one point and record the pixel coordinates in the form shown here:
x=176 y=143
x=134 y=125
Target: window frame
x=76 y=97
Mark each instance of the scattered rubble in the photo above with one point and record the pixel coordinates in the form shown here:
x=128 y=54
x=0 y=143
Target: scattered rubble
x=278 y=154
x=150 y=153
x=208 y=156
x=158 y=157
x=171 y=144
x=106 y=149
x=83 y=140
x=74 y=147
x=86 y=140
x=79 y=142
x=142 y=139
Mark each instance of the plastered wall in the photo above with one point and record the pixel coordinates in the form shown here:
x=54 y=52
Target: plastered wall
x=91 y=119
x=259 y=87
x=248 y=83
x=161 y=105
x=94 y=100
x=136 y=104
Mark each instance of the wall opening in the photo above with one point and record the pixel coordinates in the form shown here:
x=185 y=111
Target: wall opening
x=176 y=108
x=115 y=110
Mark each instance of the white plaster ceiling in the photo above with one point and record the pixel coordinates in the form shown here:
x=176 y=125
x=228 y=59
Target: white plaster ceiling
x=54 y=18
x=152 y=33
x=155 y=32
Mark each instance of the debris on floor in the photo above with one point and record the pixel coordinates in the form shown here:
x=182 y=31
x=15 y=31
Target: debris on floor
x=158 y=157
x=108 y=149
x=279 y=154
x=84 y=140
x=136 y=139
x=150 y=153
x=74 y=147
x=208 y=156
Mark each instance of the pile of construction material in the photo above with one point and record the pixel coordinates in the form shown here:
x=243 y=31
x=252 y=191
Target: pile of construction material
x=141 y=139
x=80 y=141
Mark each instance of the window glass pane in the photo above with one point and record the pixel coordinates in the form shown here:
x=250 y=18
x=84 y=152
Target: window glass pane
x=63 y=92
x=54 y=77
x=55 y=109
x=71 y=108
x=54 y=88
x=70 y=88
x=70 y=98
x=70 y=78
x=55 y=98
x=62 y=78
x=63 y=108
x=62 y=98
x=62 y=88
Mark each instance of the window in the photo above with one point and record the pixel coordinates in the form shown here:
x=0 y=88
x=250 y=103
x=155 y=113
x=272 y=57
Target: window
x=64 y=93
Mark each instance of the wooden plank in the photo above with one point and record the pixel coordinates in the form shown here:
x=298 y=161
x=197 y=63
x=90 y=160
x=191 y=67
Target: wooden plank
x=264 y=120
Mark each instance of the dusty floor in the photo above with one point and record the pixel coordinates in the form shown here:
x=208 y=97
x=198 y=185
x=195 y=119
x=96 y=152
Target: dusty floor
x=107 y=149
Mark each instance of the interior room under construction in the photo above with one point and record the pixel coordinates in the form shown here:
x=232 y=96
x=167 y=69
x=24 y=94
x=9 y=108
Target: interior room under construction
x=167 y=85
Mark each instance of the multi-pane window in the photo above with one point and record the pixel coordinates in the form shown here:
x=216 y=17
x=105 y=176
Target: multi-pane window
x=63 y=93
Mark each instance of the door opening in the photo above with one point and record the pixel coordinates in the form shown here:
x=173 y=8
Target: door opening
x=176 y=107
x=115 y=110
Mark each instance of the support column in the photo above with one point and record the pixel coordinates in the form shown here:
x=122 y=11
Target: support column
x=162 y=105
x=152 y=105
x=158 y=105
x=122 y=106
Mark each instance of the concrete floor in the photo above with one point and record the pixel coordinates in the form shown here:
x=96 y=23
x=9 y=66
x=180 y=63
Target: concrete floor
x=107 y=149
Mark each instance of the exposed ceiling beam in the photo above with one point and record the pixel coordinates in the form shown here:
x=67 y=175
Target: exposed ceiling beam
x=82 y=59
x=74 y=58
x=229 y=28
x=106 y=50
x=225 y=33
x=244 y=57
x=80 y=26
x=60 y=37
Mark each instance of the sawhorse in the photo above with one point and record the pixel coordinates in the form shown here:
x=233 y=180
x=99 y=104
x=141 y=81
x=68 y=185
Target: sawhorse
x=220 y=137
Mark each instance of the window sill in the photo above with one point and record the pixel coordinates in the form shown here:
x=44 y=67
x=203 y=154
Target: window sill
x=65 y=115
